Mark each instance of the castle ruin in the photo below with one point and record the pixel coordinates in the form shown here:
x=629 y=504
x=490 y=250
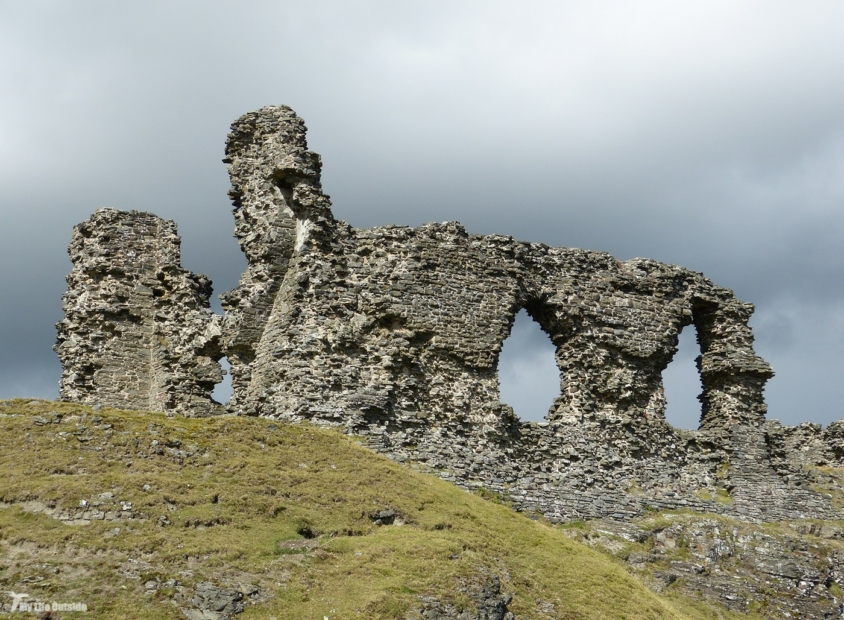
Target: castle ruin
x=394 y=334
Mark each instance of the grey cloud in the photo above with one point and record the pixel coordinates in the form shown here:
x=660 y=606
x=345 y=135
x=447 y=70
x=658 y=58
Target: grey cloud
x=682 y=383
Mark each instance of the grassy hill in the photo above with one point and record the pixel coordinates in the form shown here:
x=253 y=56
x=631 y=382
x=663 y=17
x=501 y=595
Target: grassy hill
x=142 y=516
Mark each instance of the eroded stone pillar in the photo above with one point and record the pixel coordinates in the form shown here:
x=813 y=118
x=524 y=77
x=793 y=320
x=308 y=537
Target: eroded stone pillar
x=733 y=376
x=138 y=332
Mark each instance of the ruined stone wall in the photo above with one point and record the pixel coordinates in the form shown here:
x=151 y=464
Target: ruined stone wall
x=415 y=308
x=272 y=175
x=394 y=333
x=138 y=332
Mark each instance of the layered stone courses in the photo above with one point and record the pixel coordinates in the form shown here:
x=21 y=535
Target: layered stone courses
x=394 y=333
x=138 y=332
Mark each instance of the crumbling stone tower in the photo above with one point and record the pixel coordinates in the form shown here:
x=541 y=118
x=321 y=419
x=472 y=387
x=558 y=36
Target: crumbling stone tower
x=277 y=200
x=138 y=332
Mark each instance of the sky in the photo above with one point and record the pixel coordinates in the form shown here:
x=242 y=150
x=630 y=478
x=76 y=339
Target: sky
x=706 y=134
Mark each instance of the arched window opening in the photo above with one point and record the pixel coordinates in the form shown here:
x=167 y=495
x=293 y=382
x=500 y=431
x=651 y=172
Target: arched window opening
x=527 y=371
x=223 y=391
x=682 y=383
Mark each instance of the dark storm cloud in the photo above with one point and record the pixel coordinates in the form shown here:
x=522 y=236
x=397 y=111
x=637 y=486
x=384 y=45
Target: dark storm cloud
x=705 y=134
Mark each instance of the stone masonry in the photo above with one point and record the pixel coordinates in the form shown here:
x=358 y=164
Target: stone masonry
x=138 y=331
x=394 y=333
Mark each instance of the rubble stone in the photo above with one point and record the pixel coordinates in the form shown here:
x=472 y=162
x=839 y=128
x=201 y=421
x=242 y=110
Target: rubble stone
x=788 y=571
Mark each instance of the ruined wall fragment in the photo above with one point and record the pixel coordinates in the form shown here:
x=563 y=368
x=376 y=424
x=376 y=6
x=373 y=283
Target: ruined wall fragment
x=733 y=376
x=391 y=313
x=138 y=332
x=277 y=202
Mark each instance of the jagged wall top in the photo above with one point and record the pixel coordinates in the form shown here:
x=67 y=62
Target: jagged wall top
x=283 y=221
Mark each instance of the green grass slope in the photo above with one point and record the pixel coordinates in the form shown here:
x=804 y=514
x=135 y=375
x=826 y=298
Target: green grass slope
x=128 y=512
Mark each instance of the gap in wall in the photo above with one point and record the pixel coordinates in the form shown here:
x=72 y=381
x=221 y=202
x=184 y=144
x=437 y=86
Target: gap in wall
x=527 y=371
x=682 y=383
x=223 y=391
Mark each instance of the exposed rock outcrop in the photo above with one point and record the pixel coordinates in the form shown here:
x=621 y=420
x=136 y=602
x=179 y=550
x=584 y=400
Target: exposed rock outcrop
x=793 y=570
x=485 y=590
